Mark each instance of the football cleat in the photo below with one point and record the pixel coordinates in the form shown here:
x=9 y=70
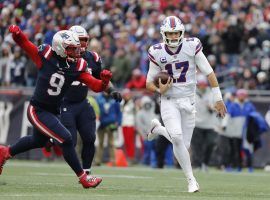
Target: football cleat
x=94 y=178
x=193 y=186
x=152 y=134
x=4 y=156
x=89 y=182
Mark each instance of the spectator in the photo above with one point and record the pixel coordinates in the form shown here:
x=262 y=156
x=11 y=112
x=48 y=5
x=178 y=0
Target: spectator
x=252 y=53
x=126 y=30
x=120 y=68
x=128 y=124
x=138 y=80
x=110 y=118
x=5 y=60
x=231 y=39
x=143 y=124
x=17 y=68
x=204 y=136
x=239 y=112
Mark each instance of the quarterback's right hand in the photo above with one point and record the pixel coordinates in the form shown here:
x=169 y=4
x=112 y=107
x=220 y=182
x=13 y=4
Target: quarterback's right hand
x=14 y=29
x=164 y=87
x=220 y=109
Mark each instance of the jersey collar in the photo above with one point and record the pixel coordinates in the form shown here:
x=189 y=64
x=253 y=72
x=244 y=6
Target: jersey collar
x=170 y=52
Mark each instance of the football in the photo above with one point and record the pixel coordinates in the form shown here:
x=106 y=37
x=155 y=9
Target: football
x=163 y=76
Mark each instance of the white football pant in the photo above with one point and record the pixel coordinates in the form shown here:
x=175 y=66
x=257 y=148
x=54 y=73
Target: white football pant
x=178 y=115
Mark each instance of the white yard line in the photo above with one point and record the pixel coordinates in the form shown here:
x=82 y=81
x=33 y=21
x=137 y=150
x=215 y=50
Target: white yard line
x=102 y=175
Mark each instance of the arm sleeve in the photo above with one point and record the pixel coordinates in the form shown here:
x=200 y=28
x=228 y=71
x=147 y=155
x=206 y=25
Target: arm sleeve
x=30 y=49
x=153 y=70
x=202 y=63
x=93 y=83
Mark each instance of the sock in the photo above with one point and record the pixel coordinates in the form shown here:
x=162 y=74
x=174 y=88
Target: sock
x=87 y=171
x=71 y=158
x=88 y=152
x=182 y=155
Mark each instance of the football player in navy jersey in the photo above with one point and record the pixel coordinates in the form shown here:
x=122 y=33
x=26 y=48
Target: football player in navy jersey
x=58 y=66
x=76 y=111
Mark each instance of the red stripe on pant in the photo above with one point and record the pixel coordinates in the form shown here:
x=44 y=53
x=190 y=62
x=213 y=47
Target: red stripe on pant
x=40 y=126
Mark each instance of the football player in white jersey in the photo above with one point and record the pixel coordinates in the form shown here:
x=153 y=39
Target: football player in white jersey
x=179 y=56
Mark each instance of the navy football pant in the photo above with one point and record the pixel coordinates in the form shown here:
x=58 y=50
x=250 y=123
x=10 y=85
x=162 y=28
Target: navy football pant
x=81 y=117
x=47 y=125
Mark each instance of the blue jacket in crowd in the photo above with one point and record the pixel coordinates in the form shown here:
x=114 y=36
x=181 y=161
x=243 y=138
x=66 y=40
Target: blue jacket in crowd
x=110 y=112
x=236 y=109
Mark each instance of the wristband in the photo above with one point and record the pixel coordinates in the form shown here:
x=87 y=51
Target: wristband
x=216 y=94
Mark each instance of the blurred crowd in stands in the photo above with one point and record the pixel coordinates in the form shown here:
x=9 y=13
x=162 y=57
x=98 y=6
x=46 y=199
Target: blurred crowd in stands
x=235 y=35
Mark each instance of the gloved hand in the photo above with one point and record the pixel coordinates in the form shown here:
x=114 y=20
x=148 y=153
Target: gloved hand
x=105 y=76
x=14 y=29
x=116 y=96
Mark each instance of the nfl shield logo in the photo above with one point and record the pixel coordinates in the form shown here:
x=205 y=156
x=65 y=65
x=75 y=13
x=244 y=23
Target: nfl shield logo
x=163 y=60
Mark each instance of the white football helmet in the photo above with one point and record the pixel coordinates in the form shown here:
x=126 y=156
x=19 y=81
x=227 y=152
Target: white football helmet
x=66 y=44
x=83 y=36
x=172 y=24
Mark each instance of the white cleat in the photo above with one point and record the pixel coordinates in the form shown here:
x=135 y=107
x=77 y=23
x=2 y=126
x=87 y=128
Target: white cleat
x=153 y=134
x=193 y=186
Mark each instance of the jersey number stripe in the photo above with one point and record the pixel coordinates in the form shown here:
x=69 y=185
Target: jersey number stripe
x=56 y=82
x=183 y=66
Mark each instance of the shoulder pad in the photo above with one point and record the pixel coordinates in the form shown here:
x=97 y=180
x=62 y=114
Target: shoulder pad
x=153 y=53
x=81 y=65
x=194 y=44
x=45 y=50
x=96 y=56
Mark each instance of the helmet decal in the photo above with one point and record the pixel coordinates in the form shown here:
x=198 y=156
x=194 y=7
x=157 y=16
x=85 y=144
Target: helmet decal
x=172 y=22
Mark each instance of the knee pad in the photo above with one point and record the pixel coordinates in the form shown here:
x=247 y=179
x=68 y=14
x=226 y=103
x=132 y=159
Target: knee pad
x=177 y=139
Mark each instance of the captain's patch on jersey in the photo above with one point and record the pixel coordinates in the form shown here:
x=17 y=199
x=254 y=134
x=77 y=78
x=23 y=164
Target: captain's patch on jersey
x=163 y=60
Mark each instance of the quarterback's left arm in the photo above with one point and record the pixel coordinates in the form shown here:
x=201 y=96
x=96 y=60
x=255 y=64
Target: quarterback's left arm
x=206 y=69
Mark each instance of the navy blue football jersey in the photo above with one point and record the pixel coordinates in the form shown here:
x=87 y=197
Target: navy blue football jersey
x=78 y=91
x=54 y=78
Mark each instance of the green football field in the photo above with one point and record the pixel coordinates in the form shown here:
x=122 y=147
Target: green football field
x=25 y=180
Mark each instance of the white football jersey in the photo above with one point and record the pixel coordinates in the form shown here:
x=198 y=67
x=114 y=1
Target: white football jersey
x=179 y=65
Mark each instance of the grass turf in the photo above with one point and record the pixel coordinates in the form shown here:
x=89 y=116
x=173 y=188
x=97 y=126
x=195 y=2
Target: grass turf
x=28 y=180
